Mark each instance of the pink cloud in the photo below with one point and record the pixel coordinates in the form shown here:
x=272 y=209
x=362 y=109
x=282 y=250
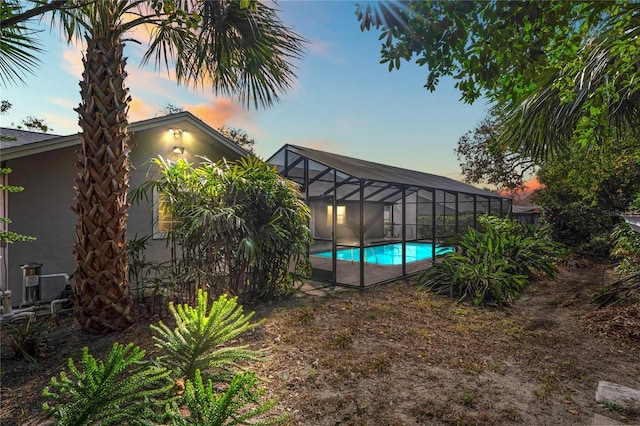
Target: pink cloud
x=218 y=112
x=64 y=102
x=530 y=186
x=72 y=61
x=62 y=124
x=139 y=110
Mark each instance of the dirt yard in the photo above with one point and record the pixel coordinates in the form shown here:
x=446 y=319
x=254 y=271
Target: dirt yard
x=394 y=355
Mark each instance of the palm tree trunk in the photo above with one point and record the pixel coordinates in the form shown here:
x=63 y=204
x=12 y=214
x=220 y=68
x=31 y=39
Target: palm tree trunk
x=102 y=297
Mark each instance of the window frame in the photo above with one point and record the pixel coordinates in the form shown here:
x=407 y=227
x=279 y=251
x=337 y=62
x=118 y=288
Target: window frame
x=341 y=216
x=161 y=218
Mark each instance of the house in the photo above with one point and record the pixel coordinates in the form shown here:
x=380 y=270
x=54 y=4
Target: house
x=44 y=165
x=527 y=214
x=372 y=222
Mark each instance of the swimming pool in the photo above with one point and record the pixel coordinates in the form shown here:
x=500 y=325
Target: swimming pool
x=388 y=254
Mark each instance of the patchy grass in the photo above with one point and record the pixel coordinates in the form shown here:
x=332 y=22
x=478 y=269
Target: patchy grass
x=394 y=355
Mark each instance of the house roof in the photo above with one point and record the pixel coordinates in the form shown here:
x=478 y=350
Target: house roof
x=384 y=173
x=29 y=143
x=526 y=209
x=17 y=137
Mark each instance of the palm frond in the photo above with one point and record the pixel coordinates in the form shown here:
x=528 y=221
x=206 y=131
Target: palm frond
x=18 y=46
x=590 y=100
x=242 y=52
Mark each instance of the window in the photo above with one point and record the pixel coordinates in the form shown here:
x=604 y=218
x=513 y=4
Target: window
x=340 y=217
x=163 y=220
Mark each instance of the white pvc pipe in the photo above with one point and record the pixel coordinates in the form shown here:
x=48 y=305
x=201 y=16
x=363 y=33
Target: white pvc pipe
x=57 y=302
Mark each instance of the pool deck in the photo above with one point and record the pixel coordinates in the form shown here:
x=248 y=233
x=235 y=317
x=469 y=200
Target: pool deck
x=313 y=288
x=348 y=272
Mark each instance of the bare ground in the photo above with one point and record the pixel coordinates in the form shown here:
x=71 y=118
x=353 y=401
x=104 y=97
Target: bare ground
x=394 y=355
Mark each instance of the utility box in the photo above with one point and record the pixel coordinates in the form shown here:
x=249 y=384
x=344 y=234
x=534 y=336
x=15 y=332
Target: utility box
x=31 y=273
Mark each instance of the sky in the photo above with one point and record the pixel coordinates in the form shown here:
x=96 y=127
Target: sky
x=343 y=100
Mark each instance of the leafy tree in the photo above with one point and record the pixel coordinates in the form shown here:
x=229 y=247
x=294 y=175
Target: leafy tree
x=31 y=123
x=240 y=46
x=607 y=177
x=484 y=160
x=5 y=106
x=240 y=137
x=558 y=69
x=583 y=190
x=34 y=124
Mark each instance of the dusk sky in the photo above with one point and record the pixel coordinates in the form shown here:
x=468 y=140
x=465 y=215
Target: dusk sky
x=343 y=101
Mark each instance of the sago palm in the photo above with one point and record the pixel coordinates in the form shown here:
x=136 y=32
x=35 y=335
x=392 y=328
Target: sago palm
x=239 y=46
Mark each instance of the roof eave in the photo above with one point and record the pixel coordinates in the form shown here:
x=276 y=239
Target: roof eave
x=167 y=120
x=39 y=147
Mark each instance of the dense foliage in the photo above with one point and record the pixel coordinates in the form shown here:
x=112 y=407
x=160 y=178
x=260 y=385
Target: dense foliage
x=127 y=388
x=626 y=249
x=207 y=408
x=119 y=390
x=494 y=264
x=558 y=69
x=583 y=191
x=241 y=227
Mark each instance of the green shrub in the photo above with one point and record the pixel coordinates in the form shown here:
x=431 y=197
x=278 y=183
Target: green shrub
x=196 y=342
x=493 y=265
x=597 y=246
x=237 y=405
x=626 y=248
x=121 y=390
x=574 y=223
x=240 y=227
x=127 y=389
x=24 y=336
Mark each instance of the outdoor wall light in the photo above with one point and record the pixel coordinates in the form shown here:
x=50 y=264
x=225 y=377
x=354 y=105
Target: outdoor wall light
x=177 y=133
x=178 y=149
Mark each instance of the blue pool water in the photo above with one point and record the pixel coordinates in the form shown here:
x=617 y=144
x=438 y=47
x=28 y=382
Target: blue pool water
x=388 y=254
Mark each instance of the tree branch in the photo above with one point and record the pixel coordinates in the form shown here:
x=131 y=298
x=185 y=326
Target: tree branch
x=41 y=10
x=21 y=17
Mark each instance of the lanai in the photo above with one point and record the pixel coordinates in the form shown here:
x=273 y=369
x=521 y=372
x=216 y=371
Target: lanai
x=372 y=222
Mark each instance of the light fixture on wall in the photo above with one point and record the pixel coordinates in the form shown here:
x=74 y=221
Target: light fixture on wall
x=176 y=132
x=178 y=149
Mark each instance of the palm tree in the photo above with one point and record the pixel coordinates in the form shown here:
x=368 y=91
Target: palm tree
x=593 y=100
x=239 y=46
